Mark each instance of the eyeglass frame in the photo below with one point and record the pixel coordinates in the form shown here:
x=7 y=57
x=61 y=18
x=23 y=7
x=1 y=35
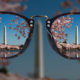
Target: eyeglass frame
x=48 y=22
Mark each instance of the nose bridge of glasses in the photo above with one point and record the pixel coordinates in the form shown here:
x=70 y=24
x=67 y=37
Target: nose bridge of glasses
x=40 y=16
x=48 y=21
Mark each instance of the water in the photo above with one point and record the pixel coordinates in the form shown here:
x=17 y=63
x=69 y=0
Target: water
x=10 y=53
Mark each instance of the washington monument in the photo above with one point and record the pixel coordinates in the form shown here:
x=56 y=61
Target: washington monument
x=76 y=37
x=5 y=40
x=39 y=52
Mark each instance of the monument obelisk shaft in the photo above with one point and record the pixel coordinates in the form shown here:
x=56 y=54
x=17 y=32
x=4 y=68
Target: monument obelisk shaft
x=5 y=35
x=76 y=40
x=39 y=51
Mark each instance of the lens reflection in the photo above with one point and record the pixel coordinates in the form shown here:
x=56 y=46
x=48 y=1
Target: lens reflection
x=14 y=31
x=65 y=31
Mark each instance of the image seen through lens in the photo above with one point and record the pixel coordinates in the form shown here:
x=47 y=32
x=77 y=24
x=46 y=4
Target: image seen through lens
x=14 y=31
x=65 y=31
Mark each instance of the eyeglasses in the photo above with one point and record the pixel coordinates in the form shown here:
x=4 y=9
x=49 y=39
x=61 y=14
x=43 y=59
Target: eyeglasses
x=16 y=33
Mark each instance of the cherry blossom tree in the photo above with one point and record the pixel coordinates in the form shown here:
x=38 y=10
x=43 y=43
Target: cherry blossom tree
x=20 y=27
x=69 y=6
x=66 y=4
x=78 y=1
x=12 y=5
x=58 y=27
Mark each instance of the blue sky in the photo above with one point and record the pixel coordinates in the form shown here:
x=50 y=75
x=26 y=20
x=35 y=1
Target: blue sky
x=55 y=66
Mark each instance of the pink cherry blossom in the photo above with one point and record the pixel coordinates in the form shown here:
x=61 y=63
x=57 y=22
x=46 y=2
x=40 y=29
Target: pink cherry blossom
x=66 y=4
x=58 y=27
x=58 y=13
x=75 y=10
x=20 y=27
x=7 y=5
x=78 y=1
x=9 y=27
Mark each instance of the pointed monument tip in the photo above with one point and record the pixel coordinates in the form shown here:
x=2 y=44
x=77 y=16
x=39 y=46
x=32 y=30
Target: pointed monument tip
x=4 y=26
x=39 y=23
x=77 y=25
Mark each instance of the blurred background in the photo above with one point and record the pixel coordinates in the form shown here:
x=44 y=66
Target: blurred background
x=55 y=66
